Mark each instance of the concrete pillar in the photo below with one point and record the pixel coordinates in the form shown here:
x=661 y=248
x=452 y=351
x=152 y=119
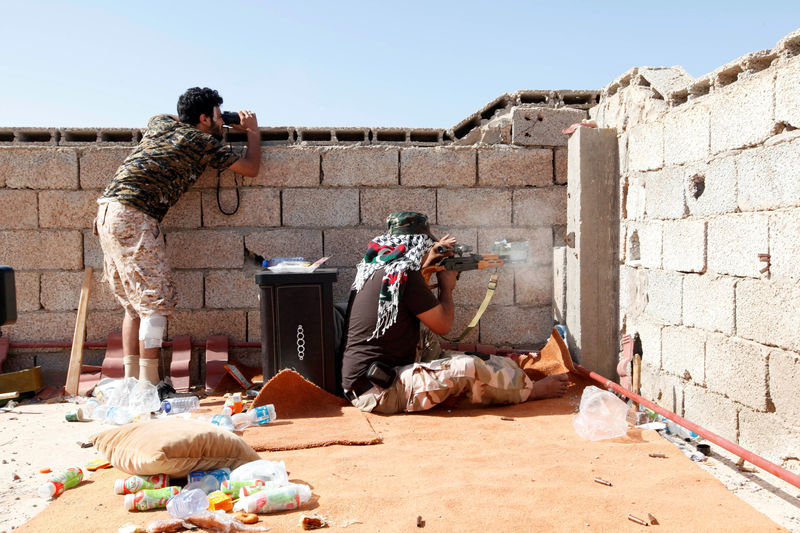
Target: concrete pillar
x=592 y=248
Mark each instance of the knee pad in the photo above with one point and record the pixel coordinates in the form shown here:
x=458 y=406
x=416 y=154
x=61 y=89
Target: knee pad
x=151 y=330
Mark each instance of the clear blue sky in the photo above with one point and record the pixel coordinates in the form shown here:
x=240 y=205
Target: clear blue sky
x=345 y=63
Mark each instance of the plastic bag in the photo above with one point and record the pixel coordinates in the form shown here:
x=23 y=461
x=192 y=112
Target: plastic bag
x=272 y=473
x=602 y=415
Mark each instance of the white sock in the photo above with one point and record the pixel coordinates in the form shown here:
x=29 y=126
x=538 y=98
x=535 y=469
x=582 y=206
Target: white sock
x=148 y=370
x=131 y=363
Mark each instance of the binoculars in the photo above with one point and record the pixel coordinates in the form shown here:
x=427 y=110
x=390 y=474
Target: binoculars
x=230 y=117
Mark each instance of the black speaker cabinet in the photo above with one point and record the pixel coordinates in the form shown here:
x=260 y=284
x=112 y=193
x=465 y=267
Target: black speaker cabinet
x=297 y=325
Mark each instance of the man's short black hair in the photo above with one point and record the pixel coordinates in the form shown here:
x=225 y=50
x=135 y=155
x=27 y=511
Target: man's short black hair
x=195 y=102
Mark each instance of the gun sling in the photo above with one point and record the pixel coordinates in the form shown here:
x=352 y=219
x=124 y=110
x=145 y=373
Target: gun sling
x=474 y=322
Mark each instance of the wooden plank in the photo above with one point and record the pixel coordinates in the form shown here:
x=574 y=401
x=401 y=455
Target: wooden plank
x=181 y=360
x=76 y=356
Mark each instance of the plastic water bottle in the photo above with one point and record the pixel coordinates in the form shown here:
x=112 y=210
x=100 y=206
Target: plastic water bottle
x=147 y=499
x=58 y=483
x=274 y=499
x=180 y=405
x=255 y=416
x=133 y=484
x=187 y=503
x=119 y=415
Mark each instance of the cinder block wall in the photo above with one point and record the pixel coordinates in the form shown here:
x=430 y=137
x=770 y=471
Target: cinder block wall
x=320 y=192
x=710 y=179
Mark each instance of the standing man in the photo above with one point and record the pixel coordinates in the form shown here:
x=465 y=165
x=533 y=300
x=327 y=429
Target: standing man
x=379 y=372
x=173 y=153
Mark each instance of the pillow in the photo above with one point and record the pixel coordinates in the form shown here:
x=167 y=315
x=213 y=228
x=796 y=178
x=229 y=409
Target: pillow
x=172 y=445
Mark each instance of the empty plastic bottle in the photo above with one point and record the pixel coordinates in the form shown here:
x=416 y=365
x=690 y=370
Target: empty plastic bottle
x=274 y=499
x=133 y=484
x=147 y=499
x=223 y=421
x=119 y=415
x=187 y=503
x=255 y=416
x=180 y=405
x=58 y=483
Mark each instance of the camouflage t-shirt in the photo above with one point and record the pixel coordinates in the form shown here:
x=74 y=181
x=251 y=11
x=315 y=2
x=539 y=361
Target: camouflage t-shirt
x=170 y=157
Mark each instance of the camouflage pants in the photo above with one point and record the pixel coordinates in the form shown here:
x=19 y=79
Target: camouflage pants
x=135 y=260
x=421 y=386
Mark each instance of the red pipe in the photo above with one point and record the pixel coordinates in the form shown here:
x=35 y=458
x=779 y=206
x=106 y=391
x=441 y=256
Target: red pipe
x=67 y=344
x=757 y=460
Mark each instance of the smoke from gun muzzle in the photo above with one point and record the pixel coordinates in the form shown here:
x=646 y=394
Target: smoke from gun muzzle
x=230 y=117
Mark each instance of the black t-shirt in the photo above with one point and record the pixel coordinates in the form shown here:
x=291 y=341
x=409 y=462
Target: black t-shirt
x=397 y=346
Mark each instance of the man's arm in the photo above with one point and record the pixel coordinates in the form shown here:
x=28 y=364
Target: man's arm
x=440 y=318
x=250 y=163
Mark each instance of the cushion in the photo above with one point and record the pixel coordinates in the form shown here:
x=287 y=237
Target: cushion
x=172 y=445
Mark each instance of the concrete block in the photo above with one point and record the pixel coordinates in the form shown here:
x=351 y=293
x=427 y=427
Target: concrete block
x=650 y=336
x=560 y=166
x=187 y=213
x=67 y=209
x=708 y=302
x=288 y=167
x=634 y=194
x=770 y=436
x=711 y=189
x=378 y=203
x=645 y=241
x=741 y=113
x=533 y=284
x=41 y=326
x=787 y=99
x=351 y=166
x=257 y=207
x=737 y=369
x=40 y=250
x=683 y=353
x=646 y=147
x=685 y=245
x=560 y=284
x=784 y=245
x=769 y=177
x=472 y=285
x=765 y=313
x=665 y=194
x=17 y=362
x=664 y=295
x=661 y=388
x=474 y=207
x=540 y=240
x=27 y=290
x=438 y=167
x=347 y=246
x=344 y=281
x=39 y=168
x=516 y=325
x=784 y=382
x=92 y=253
x=98 y=165
x=20 y=209
x=231 y=289
x=189 y=286
x=515 y=167
x=100 y=324
x=61 y=291
x=711 y=410
x=734 y=242
x=254 y=325
x=687 y=130
x=540 y=207
x=54 y=367
x=542 y=126
x=201 y=324
x=320 y=207
x=284 y=242
x=205 y=249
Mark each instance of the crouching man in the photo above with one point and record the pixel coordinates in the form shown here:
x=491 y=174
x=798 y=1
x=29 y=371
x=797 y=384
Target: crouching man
x=173 y=153
x=379 y=372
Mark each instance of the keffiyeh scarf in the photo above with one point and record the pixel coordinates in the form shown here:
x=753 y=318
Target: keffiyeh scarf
x=397 y=255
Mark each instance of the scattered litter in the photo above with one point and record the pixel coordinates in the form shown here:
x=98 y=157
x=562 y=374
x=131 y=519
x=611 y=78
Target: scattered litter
x=602 y=481
x=96 y=464
x=420 y=522
x=510 y=418
x=313 y=521
x=85 y=444
x=658 y=455
x=44 y=471
x=653 y=521
x=637 y=520
x=131 y=528
x=602 y=415
x=652 y=425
